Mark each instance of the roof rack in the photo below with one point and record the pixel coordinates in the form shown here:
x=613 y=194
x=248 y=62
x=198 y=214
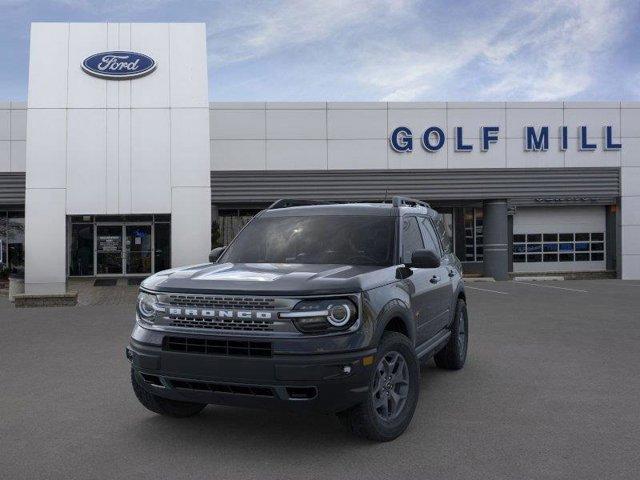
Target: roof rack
x=398 y=201
x=290 y=202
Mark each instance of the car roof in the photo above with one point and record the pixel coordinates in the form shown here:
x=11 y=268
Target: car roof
x=364 y=209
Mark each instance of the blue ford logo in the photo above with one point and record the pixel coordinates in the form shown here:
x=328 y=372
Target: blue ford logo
x=118 y=65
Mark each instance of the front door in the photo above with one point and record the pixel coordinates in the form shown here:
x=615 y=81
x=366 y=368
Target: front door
x=109 y=250
x=124 y=249
x=138 y=249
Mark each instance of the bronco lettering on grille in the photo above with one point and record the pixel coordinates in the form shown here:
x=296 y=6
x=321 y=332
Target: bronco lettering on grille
x=215 y=313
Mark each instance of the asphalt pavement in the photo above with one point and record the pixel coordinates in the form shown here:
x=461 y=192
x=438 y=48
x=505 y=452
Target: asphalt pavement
x=551 y=390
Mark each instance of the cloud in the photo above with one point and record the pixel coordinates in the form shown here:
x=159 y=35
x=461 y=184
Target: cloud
x=547 y=50
x=260 y=29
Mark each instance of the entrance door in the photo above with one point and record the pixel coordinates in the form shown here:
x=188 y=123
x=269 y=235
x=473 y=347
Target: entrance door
x=109 y=250
x=138 y=249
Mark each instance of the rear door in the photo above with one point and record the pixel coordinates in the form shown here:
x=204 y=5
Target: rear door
x=442 y=287
x=421 y=289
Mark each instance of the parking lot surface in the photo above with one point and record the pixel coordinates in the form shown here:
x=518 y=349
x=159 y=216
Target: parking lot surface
x=551 y=390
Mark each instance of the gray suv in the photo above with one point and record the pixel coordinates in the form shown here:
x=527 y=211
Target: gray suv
x=324 y=307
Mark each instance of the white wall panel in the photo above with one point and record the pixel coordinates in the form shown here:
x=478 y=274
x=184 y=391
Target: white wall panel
x=152 y=91
x=418 y=120
x=357 y=124
x=86 y=91
x=630 y=120
x=517 y=157
x=5 y=124
x=47 y=148
x=592 y=118
x=48 y=62
x=190 y=165
x=495 y=157
x=190 y=225
x=238 y=124
x=45 y=241
x=419 y=158
x=150 y=161
x=124 y=161
x=18 y=156
x=630 y=211
x=296 y=124
x=357 y=154
x=86 y=161
x=518 y=118
x=188 y=54
x=630 y=153
x=598 y=158
x=631 y=239
x=18 y=124
x=472 y=119
x=113 y=43
x=124 y=86
x=296 y=154
x=238 y=155
x=5 y=156
x=111 y=162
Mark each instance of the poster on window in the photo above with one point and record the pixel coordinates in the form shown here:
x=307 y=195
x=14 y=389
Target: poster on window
x=109 y=243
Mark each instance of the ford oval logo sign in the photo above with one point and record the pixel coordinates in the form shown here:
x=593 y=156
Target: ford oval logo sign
x=118 y=65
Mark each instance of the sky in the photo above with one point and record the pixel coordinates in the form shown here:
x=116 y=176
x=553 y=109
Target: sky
x=377 y=50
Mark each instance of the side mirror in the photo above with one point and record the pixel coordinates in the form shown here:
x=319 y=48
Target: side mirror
x=215 y=254
x=425 y=259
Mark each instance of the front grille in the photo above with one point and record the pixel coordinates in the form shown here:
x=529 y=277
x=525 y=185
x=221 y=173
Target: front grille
x=208 y=346
x=247 y=325
x=223 y=302
x=255 y=390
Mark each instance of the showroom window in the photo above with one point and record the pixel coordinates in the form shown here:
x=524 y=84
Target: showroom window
x=473 y=239
x=558 y=247
x=11 y=242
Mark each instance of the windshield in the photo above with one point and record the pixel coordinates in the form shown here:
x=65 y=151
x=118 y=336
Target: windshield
x=348 y=240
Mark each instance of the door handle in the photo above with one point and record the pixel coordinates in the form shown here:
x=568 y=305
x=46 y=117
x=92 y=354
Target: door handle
x=434 y=279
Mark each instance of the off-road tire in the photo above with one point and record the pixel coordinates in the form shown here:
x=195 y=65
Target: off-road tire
x=363 y=420
x=454 y=353
x=164 y=406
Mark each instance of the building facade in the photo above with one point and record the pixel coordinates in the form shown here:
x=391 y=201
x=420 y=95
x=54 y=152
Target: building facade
x=104 y=176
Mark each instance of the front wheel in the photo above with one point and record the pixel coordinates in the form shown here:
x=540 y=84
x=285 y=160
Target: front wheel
x=454 y=353
x=393 y=392
x=164 y=406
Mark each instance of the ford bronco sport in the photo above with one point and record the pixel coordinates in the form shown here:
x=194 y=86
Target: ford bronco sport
x=325 y=307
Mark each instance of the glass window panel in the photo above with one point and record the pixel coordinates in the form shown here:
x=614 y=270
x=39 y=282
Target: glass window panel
x=15 y=242
x=582 y=247
x=411 y=238
x=534 y=237
x=566 y=257
x=598 y=237
x=581 y=237
x=519 y=258
x=520 y=248
x=550 y=257
x=550 y=237
x=566 y=237
x=81 y=251
x=534 y=247
x=163 y=246
x=582 y=257
x=519 y=238
x=597 y=247
x=534 y=258
x=550 y=247
x=597 y=257
x=566 y=247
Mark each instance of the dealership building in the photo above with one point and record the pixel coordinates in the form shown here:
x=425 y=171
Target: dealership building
x=118 y=165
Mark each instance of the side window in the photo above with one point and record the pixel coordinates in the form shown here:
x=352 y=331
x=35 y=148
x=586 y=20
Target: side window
x=430 y=238
x=411 y=238
x=445 y=237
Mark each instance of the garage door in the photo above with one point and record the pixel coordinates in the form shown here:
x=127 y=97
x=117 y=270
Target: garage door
x=559 y=239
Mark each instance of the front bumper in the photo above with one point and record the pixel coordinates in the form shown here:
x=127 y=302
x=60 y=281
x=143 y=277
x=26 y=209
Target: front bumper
x=320 y=382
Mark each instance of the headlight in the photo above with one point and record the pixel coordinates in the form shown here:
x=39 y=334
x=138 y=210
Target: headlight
x=147 y=306
x=323 y=316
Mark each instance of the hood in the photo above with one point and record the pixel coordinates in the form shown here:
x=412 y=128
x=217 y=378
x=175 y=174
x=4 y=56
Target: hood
x=270 y=279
